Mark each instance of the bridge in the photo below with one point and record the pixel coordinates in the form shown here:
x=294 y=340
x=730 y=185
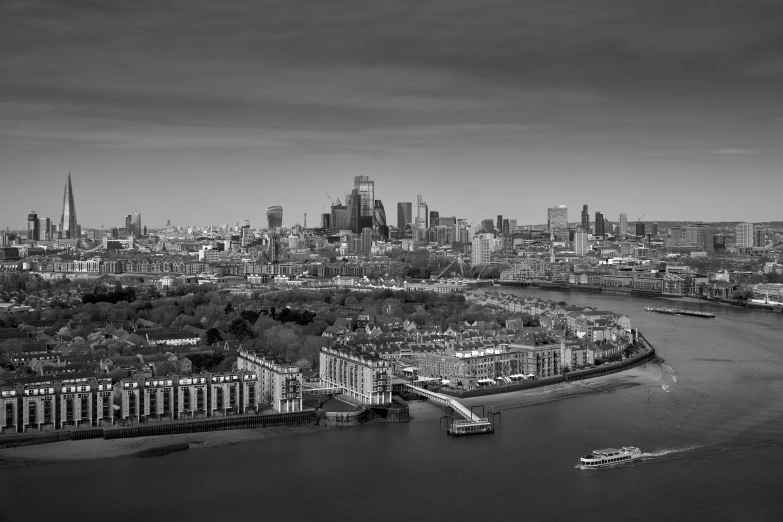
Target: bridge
x=322 y=391
x=447 y=401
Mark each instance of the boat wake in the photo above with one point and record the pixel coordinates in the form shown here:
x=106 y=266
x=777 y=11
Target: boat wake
x=670 y=451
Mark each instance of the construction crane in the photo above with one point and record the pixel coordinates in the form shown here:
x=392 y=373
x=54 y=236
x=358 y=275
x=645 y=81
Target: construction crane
x=330 y=199
x=639 y=219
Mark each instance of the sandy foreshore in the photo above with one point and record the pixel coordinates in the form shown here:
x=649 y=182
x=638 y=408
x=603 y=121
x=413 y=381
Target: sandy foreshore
x=71 y=450
x=419 y=411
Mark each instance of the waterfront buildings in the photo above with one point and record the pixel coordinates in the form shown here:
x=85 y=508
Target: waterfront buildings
x=68 y=226
x=274 y=217
x=743 y=233
x=557 y=221
x=623 y=224
x=280 y=383
x=363 y=378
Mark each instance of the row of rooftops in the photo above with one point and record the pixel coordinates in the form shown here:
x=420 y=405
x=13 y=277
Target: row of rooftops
x=187 y=380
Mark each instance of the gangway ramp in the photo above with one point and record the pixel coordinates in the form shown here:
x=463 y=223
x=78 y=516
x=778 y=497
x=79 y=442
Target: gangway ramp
x=447 y=401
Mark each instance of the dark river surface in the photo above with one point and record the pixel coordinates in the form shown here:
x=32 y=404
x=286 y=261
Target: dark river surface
x=710 y=420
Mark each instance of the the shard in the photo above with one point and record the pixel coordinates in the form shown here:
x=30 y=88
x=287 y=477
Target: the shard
x=68 y=218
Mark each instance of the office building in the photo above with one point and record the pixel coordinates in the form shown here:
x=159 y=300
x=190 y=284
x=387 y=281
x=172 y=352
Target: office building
x=640 y=230
x=340 y=220
x=481 y=249
x=434 y=216
x=68 y=226
x=366 y=240
x=488 y=226
x=697 y=235
x=379 y=219
x=404 y=215
x=581 y=242
x=366 y=191
x=506 y=227
x=136 y=224
x=599 y=224
x=744 y=235
x=719 y=241
x=512 y=225
x=759 y=238
x=326 y=221
x=585 y=219
x=623 y=224
x=274 y=217
x=363 y=378
x=499 y=225
x=655 y=229
x=557 y=222
x=33 y=227
x=422 y=213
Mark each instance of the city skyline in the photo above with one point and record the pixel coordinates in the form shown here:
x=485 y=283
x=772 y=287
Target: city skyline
x=504 y=120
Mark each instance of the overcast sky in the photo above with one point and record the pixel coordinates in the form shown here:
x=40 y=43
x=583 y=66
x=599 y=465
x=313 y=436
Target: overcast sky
x=207 y=112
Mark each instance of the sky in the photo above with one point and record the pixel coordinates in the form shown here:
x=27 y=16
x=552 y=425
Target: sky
x=207 y=112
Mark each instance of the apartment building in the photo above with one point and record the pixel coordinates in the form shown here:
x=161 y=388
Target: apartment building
x=364 y=378
x=279 y=383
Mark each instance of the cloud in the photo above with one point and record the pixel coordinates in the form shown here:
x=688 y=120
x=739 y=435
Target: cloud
x=733 y=152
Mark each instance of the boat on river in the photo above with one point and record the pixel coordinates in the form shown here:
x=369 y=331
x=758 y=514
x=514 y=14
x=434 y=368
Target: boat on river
x=610 y=457
x=677 y=311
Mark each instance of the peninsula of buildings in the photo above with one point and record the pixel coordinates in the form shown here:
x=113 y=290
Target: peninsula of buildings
x=130 y=325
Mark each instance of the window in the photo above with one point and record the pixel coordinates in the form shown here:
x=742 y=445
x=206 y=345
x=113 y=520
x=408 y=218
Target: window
x=31 y=414
x=132 y=403
x=9 y=414
x=47 y=412
x=219 y=398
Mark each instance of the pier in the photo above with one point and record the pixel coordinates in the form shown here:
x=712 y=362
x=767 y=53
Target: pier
x=472 y=425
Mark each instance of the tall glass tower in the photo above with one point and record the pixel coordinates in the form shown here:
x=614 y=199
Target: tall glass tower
x=68 y=217
x=274 y=217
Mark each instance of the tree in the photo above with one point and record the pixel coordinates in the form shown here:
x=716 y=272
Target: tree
x=213 y=336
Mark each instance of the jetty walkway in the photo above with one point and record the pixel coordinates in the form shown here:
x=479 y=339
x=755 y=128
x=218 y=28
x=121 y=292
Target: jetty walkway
x=448 y=401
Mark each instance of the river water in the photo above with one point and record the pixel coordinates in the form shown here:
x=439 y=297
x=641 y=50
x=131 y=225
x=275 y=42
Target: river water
x=710 y=420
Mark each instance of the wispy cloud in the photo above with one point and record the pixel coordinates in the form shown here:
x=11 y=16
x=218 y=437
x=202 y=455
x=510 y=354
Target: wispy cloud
x=734 y=152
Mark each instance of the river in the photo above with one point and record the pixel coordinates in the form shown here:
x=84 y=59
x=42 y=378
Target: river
x=710 y=420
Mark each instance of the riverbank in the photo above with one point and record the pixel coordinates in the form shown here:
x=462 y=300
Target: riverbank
x=71 y=450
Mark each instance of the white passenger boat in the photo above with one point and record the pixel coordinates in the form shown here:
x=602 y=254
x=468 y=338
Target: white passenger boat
x=610 y=457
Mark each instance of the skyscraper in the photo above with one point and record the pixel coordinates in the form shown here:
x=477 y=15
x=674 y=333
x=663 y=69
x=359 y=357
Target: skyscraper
x=623 y=224
x=655 y=229
x=585 y=219
x=581 y=242
x=326 y=221
x=366 y=190
x=68 y=226
x=744 y=235
x=506 y=227
x=422 y=217
x=640 y=229
x=274 y=217
x=404 y=215
x=379 y=219
x=33 y=227
x=499 y=225
x=136 y=224
x=339 y=217
x=434 y=215
x=759 y=238
x=599 y=224
x=512 y=225
x=488 y=226
x=557 y=221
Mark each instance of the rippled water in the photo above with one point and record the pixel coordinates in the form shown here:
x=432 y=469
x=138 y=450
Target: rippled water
x=710 y=421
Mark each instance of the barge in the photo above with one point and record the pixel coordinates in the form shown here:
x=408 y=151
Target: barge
x=676 y=311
